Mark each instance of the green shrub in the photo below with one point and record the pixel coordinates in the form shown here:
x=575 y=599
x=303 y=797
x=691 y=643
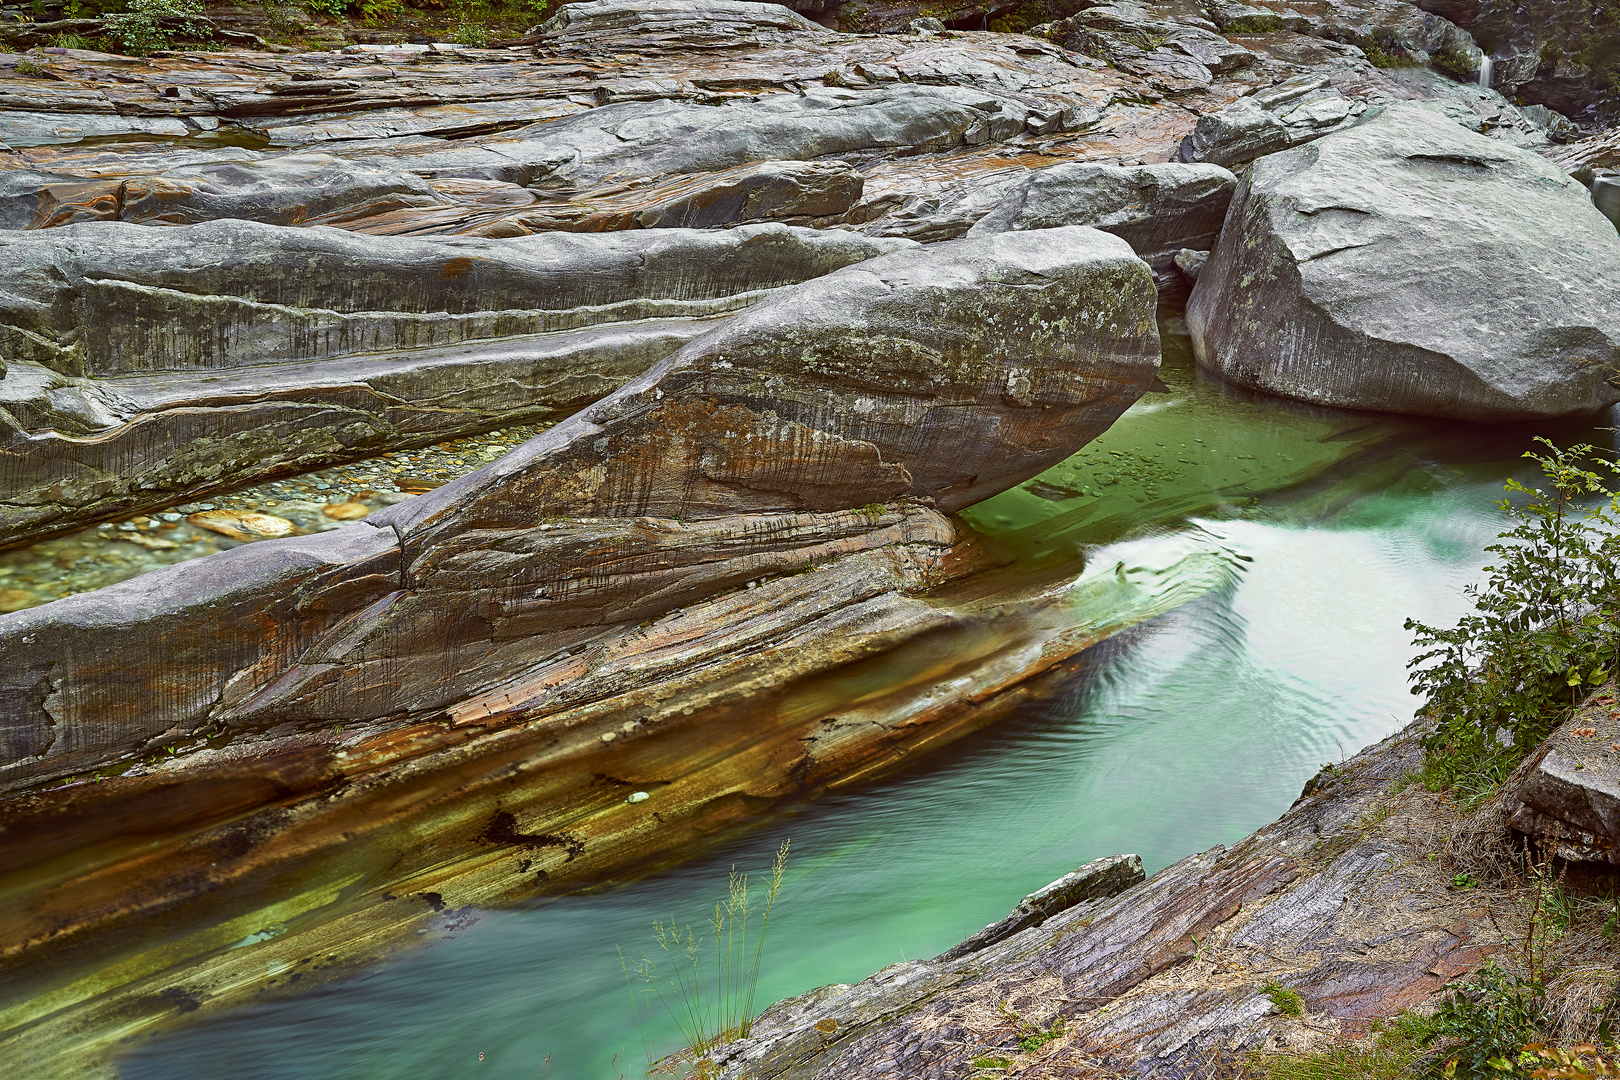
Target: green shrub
x=150 y=25
x=1481 y=1028
x=1288 y=1002
x=1543 y=628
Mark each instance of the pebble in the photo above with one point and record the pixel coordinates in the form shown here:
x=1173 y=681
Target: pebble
x=241 y=525
x=638 y=796
x=110 y=552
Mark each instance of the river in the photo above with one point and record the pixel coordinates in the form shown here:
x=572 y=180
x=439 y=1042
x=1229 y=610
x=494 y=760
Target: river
x=1188 y=732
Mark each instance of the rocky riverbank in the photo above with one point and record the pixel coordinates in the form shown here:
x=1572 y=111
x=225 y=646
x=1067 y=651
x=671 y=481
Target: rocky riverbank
x=1365 y=900
x=738 y=310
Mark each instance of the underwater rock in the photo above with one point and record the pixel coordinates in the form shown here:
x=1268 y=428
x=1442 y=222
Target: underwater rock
x=1410 y=265
x=147 y=365
x=1157 y=209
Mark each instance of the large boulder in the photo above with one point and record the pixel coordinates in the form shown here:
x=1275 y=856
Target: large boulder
x=1410 y=265
x=144 y=366
x=942 y=374
x=1157 y=209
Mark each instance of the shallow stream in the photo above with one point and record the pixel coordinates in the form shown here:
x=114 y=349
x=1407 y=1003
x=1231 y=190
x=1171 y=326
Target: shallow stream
x=1186 y=733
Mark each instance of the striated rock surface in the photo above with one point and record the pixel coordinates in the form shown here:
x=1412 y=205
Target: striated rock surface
x=1291 y=113
x=1335 y=901
x=666 y=589
x=293 y=189
x=1408 y=265
x=945 y=374
x=148 y=365
x=1157 y=209
x=1567 y=793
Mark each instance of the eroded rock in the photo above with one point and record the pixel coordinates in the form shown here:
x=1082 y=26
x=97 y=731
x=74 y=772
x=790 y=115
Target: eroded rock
x=1409 y=265
x=150 y=364
x=1157 y=209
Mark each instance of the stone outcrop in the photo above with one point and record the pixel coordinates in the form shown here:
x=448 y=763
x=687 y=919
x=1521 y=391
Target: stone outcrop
x=147 y=365
x=1157 y=209
x=1408 y=265
x=944 y=374
x=1336 y=901
x=1294 y=112
x=290 y=189
x=1567 y=793
x=662 y=589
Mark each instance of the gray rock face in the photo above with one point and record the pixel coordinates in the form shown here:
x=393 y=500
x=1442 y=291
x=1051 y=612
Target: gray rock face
x=722 y=20
x=292 y=189
x=1157 y=209
x=1409 y=265
x=1171 y=54
x=637 y=139
x=1265 y=122
x=149 y=364
x=1096 y=880
x=1567 y=793
x=1606 y=197
x=944 y=373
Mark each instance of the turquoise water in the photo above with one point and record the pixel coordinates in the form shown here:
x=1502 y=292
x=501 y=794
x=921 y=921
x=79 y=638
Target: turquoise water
x=1188 y=732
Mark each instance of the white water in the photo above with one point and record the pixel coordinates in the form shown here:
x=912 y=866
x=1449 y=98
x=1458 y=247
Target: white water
x=1486 y=69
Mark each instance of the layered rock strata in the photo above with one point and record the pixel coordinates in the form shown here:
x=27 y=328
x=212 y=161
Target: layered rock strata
x=1408 y=265
x=425 y=701
x=1335 y=901
x=1157 y=209
x=147 y=366
x=1566 y=794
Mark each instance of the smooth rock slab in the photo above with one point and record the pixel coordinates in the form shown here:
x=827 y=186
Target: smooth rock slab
x=148 y=365
x=946 y=373
x=1157 y=209
x=1410 y=265
x=293 y=189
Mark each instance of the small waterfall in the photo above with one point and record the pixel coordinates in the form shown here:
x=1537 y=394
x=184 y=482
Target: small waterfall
x=1485 y=66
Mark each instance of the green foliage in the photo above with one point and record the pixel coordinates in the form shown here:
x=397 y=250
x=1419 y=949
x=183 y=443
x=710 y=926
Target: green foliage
x=1253 y=24
x=711 y=1007
x=376 y=11
x=72 y=41
x=1397 y=1052
x=471 y=24
x=1573 y=1063
x=1457 y=63
x=1288 y=1002
x=988 y=1062
x=1482 y=1027
x=150 y=25
x=1032 y=1037
x=332 y=9
x=1542 y=630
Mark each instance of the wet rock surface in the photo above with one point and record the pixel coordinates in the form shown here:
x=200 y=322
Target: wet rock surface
x=1339 y=901
x=150 y=366
x=1345 y=276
